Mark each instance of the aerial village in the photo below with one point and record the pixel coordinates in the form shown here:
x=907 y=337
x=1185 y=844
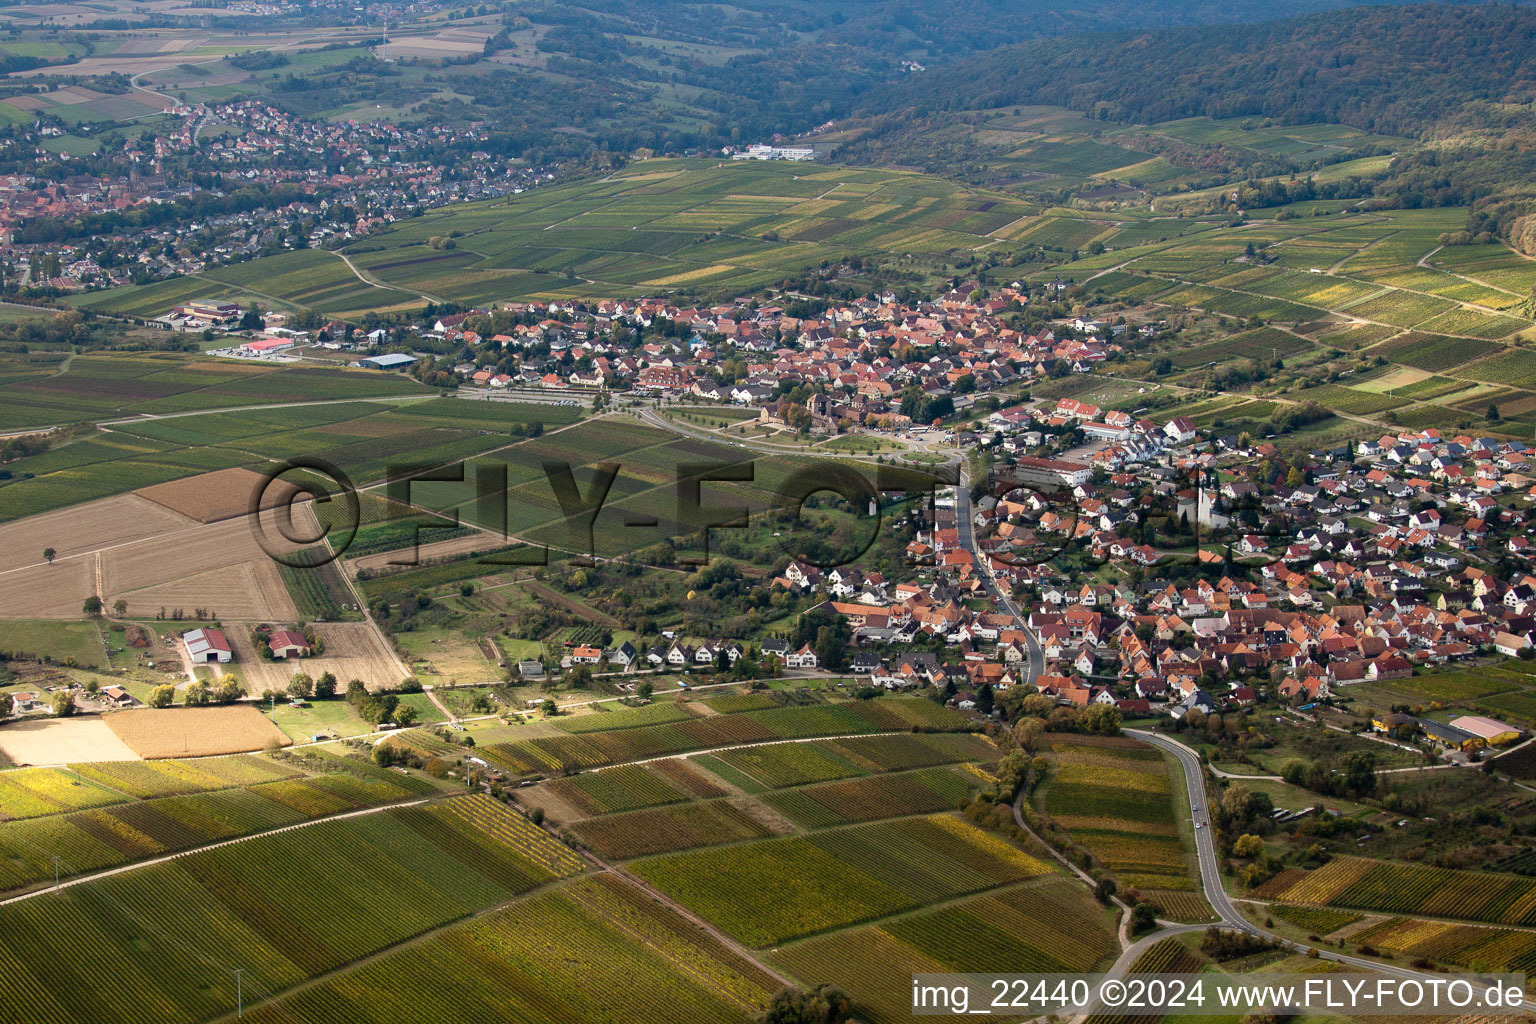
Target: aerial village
x=1117 y=559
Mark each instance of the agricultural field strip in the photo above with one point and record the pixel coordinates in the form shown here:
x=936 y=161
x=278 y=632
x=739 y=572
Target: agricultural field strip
x=218 y=523
x=150 y=862
x=1332 y=271
x=741 y=746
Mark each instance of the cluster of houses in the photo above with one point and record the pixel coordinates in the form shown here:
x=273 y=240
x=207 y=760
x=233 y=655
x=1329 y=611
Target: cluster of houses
x=864 y=354
x=1373 y=562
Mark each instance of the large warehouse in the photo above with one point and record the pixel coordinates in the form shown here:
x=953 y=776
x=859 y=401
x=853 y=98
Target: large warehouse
x=207 y=645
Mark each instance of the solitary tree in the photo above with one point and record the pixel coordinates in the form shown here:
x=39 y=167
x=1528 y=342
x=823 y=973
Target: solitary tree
x=120 y=607
x=48 y=554
x=91 y=605
x=63 y=703
x=162 y=696
x=301 y=685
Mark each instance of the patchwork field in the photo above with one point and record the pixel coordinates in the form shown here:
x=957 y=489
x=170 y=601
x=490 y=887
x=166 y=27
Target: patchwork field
x=729 y=226
x=154 y=808
x=591 y=750
x=371 y=882
x=767 y=892
x=613 y=939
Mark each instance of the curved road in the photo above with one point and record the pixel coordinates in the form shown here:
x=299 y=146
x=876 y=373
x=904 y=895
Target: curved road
x=1210 y=867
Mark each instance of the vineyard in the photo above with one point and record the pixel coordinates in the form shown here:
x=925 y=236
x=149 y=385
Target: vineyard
x=1187 y=907
x=35 y=792
x=1115 y=797
x=767 y=892
x=1051 y=926
x=1474 y=946
x=886 y=796
x=627 y=718
x=1410 y=889
x=785 y=764
x=592 y=749
x=175 y=927
x=625 y=788
x=668 y=829
x=1317 y=920
x=108 y=836
x=146 y=779
x=504 y=966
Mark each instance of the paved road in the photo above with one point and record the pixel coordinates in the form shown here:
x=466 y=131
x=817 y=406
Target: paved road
x=1210 y=867
x=965 y=525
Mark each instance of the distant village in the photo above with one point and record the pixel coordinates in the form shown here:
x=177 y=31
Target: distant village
x=350 y=178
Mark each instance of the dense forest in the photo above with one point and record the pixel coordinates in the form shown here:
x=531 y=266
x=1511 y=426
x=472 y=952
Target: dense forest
x=1460 y=80
x=1394 y=70
x=674 y=75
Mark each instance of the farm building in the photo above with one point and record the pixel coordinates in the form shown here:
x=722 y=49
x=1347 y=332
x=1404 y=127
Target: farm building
x=393 y=361
x=1489 y=730
x=285 y=643
x=266 y=345
x=207 y=645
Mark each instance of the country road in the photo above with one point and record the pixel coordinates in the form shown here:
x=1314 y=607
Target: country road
x=1210 y=866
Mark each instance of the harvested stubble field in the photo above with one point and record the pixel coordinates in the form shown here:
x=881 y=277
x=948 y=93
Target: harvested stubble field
x=222 y=494
x=80 y=529
x=353 y=650
x=194 y=732
x=220 y=566
x=63 y=740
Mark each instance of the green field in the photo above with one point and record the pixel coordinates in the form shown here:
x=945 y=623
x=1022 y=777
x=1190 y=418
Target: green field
x=655 y=226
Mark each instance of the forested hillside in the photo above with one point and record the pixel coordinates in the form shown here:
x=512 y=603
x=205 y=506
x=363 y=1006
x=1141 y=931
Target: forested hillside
x=1459 y=79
